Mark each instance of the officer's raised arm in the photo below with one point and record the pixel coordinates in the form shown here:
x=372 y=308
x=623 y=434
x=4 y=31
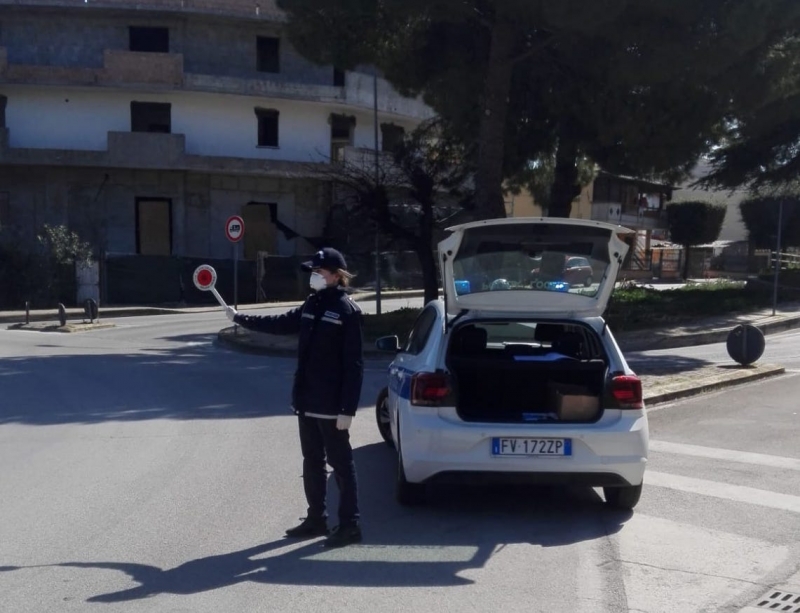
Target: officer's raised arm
x=287 y=323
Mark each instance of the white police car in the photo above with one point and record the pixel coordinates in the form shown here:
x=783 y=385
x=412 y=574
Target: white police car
x=517 y=380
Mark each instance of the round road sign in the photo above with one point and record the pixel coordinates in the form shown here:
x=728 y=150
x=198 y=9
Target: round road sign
x=205 y=277
x=234 y=228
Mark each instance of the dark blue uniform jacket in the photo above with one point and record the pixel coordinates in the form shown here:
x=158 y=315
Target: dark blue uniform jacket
x=330 y=366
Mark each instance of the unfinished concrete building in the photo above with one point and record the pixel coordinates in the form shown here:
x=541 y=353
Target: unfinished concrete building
x=144 y=125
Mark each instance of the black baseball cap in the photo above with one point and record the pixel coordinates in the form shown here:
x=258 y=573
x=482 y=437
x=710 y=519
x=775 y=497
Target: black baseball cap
x=327 y=258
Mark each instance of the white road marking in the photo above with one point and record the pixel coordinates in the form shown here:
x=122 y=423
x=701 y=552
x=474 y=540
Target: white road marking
x=725 y=491
x=730 y=455
x=590 y=570
x=672 y=566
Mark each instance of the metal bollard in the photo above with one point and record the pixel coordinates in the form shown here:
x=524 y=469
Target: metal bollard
x=90 y=309
x=27 y=312
x=745 y=344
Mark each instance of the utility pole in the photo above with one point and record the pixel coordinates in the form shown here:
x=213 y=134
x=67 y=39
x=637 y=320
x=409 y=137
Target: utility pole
x=377 y=178
x=777 y=258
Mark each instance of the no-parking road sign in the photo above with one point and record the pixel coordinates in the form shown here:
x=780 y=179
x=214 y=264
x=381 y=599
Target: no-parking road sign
x=234 y=228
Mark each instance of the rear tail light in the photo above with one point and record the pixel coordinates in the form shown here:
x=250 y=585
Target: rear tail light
x=627 y=391
x=430 y=389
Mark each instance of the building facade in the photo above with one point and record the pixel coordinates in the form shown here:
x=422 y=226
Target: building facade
x=627 y=201
x=144 y=125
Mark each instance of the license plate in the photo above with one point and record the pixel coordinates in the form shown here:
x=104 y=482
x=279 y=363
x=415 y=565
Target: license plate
x=531 y=447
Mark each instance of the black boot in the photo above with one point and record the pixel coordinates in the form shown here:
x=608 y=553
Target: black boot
x=310 y=526
x=343 y=535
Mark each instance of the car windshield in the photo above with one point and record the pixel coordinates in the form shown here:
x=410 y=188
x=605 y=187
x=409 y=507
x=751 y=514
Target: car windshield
x=539 y=259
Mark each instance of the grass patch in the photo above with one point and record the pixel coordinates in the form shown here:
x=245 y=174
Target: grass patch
x=638 y=308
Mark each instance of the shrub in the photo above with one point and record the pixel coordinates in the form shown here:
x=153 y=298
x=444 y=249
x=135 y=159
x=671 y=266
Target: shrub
x=45 y=277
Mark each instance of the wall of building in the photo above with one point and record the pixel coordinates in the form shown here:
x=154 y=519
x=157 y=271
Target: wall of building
x=733 y=228
x=100 y=204
x=69 y=82
x=213 y=124
x=209 y=47
x=230 y=50
x=60 y=39
x=524 y=205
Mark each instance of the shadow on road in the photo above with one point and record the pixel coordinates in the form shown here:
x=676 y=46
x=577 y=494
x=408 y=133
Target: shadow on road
x=664 y=364
x=192 y=380
x=457 y=531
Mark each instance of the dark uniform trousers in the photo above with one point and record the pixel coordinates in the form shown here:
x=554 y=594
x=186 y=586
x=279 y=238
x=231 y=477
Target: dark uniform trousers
x=320 y=441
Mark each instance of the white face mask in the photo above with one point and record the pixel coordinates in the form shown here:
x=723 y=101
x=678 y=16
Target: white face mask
x=317 y=282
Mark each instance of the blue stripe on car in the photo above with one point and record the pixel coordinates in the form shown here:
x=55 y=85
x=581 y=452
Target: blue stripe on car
x=400 y=383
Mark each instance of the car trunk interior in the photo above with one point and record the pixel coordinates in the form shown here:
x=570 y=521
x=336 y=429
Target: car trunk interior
x=527 y=372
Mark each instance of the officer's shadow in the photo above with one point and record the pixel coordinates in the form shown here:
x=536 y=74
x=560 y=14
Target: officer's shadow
x=459 y=530
x=201 y=575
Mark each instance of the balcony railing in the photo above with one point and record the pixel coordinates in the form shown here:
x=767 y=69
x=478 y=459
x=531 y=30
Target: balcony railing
x=118 y=67
x=150 y=150
x=614 y=212
x=166 y=70
x=264 y=10
x=139 y=67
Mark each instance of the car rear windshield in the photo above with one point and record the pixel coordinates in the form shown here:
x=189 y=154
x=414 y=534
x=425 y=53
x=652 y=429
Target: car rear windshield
x=531 y=258
x=548 y=340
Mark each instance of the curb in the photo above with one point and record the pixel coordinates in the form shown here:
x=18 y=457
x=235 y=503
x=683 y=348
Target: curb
x=69 y=328
x=40 y=317
x=701 y=338
x=243 y=342
x=696 y=390
x=413 y=293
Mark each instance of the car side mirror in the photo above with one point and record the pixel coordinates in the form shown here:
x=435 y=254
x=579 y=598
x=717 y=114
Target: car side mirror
x=389 y=344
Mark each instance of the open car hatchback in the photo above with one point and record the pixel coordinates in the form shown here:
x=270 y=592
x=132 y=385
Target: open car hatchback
x=514 y=376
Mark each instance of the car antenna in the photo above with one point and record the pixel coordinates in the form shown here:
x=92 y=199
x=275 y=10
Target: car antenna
x=444 y=289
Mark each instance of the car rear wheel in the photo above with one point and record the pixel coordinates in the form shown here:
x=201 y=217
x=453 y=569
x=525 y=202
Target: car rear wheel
x=624 y=497
x=407 y=494
x=588 y=281
x=383 y=418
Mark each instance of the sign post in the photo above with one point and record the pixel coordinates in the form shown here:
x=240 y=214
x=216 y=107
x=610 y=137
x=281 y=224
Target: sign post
x=234 y=230
x=777 y=259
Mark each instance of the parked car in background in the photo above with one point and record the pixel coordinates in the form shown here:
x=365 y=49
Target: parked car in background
x=562 y=267
x=516 y=383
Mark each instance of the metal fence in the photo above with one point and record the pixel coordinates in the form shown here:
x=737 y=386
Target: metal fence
x=150 y=279
x=142 y=279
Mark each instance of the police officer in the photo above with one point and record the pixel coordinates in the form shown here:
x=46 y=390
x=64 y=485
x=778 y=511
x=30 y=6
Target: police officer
x=326 y=391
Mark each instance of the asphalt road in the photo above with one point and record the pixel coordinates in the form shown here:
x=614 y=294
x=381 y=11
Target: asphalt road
x=143 y=468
